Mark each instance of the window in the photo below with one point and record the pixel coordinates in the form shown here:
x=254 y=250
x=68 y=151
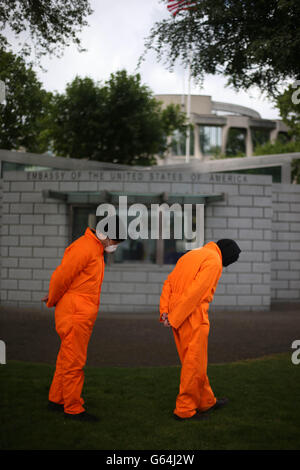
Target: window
x=210 y=139
x=12 y=166
x=178 y=144
x=132 y=251
x=174 y=247
x=236 y=142
x=156 y=250
x=260 y=136
x=83 y=216
x=140 y=250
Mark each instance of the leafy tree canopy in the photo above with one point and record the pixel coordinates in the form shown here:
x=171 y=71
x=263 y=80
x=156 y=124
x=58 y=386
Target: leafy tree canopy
x=251 y=42
x=120 y=121
x=49 y=25
x=24 y=114
x=288 y=104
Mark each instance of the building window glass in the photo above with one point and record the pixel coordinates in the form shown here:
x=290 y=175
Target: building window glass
x=236 y=142
x=132 y=251
x=12 y=166
x=178 y=143
x=260 y=136
x=140 y=250
x=82 y=217
x=210 y=139
x=174 y=248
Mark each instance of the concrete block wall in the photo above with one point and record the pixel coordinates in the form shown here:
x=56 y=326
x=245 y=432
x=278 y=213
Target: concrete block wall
x=33 y=239
x=285 y=281
x=247 y=211
x=35 y=234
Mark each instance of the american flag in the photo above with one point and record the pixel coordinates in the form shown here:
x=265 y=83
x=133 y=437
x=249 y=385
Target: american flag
x=175 y=6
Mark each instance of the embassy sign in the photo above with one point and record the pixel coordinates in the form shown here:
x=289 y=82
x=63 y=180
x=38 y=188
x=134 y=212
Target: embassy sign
x=137 y=176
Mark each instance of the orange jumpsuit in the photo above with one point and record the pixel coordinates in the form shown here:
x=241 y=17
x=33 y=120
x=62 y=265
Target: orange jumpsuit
x=74 y=290
x=185 y=296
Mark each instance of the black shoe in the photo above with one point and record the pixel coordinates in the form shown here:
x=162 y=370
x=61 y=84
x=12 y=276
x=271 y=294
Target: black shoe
x=84 y=416
x=196 y=417
x=219 y=404
x=55 y=406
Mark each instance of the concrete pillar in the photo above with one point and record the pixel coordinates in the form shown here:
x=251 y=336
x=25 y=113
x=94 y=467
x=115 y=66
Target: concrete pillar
x=225 y=130
x=249 y=144
x=274 y=133
x=197 y=149
x=286 y=170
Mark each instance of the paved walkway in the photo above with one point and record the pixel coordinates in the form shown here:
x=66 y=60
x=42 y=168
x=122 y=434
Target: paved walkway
x=140 y=340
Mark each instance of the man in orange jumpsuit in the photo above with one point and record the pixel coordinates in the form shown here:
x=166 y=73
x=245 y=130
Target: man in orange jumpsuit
x=74 y=290
x=184 y=305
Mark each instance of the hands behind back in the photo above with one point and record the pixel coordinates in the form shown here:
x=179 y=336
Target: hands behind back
x=165 y=320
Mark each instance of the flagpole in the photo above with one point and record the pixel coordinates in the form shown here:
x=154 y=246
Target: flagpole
x=188 y=137
x=183 y=93
x=175 y=6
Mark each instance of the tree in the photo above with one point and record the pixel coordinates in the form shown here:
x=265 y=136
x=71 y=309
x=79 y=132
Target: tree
x=251 y=42
x=288 y=104
x=77 y=119
x=173 y=119
x=283 y=147
x=23 y=118
x=51 y=26
x=119 y=121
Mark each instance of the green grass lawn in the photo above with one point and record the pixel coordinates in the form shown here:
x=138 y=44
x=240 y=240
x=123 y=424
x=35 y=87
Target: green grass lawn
x=135 y=407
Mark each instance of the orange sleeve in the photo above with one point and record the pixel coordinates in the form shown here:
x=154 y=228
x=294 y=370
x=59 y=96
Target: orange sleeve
x=199 y=290
x=164 y=298
x=74 y=260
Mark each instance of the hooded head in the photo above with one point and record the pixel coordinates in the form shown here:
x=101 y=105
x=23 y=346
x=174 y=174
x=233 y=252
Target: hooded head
x=230 y=251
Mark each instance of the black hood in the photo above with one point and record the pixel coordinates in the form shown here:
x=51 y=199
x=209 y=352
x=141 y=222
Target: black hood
x=230 y=251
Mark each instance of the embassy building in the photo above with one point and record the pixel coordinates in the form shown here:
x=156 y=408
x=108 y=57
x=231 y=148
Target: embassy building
x=48 y=202
x=220 y=129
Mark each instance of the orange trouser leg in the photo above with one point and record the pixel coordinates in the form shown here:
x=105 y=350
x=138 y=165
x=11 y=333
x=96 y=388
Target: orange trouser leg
x=66 y=387
x=56 y=389
x=195 y=392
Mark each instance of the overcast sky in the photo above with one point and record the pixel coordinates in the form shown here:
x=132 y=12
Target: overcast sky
x=114 y=40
